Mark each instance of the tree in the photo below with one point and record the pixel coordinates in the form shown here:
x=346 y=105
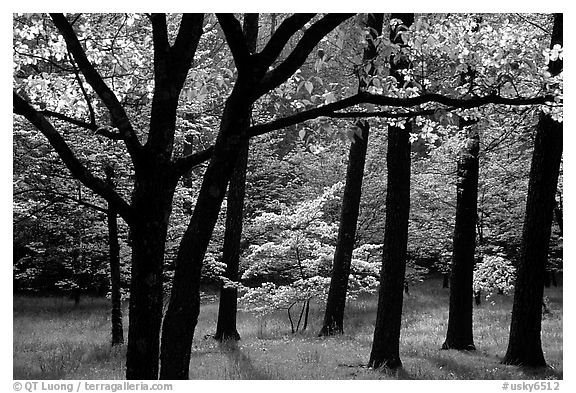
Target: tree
x=459 y=335
x=156 y=174
x=291 y=259
x=115 y=278
x=386 y=344
x=130 y=86
x=254 y=80
x=334 y=314
x=524 y=345
x=226 y=325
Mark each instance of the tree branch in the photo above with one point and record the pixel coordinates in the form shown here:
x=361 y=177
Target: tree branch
x=119 y=117
x=78 y=170
x=185 y=45
x=296 y=58
x=184 y=164
x=64 y=196
x=161 y=47
x=281 y=36
x=84 y=92
x=71 y=120
x=236 y=40
x=331 y=109
x=171 y=65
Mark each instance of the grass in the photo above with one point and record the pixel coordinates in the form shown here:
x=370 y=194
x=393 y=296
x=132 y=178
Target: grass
x=53 y=339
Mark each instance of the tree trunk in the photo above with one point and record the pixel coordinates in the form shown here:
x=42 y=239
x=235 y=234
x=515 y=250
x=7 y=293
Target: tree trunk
x=385 y=348
x=524 y=345
x=115 y=283
x=445 y=280
x=184 y=306
x=459 y=335
x=306 y=313
x=334 y=314
x=152 y=199
x=386 y=345
x=559 y=217
x=227 y=309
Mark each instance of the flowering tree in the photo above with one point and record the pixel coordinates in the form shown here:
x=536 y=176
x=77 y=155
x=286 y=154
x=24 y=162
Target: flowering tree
x=294 y=260
x=494 y=274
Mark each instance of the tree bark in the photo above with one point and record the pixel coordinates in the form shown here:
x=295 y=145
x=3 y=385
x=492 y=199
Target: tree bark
x=385 y=348
x=386 y=345
x=184 y=306
x=254 y=79
x=445 y=280
x=558 y=215
x=152 y=199
x=115 y=282
x=524 y=345
x=459 y=335
x=336 y=302
x=228 y=306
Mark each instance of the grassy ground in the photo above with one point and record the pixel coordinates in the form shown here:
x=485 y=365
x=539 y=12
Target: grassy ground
x=53 y=339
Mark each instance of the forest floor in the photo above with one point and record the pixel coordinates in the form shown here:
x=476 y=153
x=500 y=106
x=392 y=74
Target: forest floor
x=54 y=339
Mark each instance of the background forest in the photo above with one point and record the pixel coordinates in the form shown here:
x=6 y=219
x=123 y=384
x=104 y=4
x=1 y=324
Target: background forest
x=162 y=160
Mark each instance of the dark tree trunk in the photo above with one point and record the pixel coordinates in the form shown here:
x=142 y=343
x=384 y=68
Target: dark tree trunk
x=227 y=310
x=184 y=306
x=334 y=314
x=524 y=345
x=386 y=345
x=306 y=313
x=115 y=283
x=559 y=217
x=459 y=335
x=445 y=280
x=477 y=298
x=76 y=296
x=152 y=199
x=253 y=80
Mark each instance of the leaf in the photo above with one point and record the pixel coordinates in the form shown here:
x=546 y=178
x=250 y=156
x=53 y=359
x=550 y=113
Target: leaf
x=309 y=86
x=329 y=98
x=302 y=134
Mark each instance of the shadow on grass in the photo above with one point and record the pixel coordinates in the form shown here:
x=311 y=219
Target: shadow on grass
x=241 y=363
